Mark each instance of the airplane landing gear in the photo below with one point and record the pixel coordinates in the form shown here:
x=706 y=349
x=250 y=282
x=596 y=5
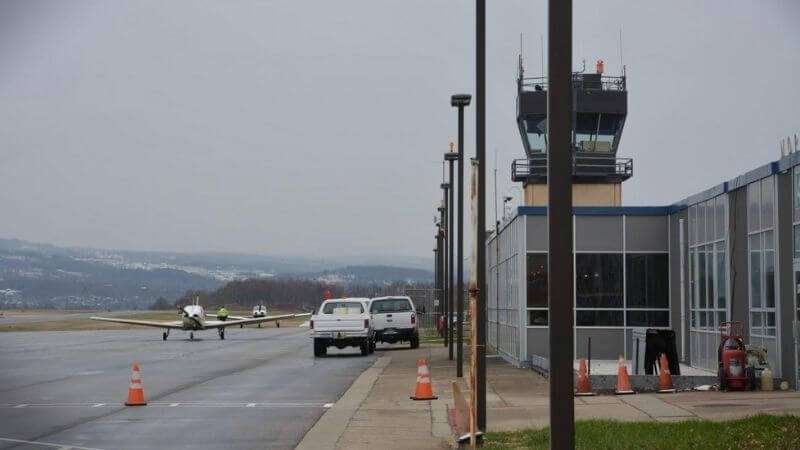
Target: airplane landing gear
x=191 y=336
x=222 y=333
x=277 y=324
x=164 y=335
x=259 y=325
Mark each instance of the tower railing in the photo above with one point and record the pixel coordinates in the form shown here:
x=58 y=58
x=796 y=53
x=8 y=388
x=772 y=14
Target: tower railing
x=607 y=168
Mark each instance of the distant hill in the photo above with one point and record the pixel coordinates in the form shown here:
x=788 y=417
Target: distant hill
x=364 y=275
x=44 y=275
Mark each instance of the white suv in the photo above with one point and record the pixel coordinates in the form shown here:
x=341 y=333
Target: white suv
x=395 y=320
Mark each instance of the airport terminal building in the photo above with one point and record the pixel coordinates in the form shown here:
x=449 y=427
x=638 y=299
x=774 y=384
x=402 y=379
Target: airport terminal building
x=729 y=253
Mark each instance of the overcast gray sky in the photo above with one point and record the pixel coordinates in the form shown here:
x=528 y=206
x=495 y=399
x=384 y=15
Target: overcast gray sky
x=316 y=128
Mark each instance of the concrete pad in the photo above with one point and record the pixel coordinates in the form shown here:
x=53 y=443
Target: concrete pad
x=620 y=412
x=654 y=406
x=600 y=400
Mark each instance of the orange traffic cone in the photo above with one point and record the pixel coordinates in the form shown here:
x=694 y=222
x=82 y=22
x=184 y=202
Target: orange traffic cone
x=424 y=390
x=135 y=393
x=623 y=381
x=584 y=385
x=665 y=378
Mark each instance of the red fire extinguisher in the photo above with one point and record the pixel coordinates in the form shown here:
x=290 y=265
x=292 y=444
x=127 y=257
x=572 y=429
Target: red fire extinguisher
x=731 y=357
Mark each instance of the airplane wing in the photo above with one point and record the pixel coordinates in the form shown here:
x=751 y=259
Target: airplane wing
x=145 y=323
x=243 y=321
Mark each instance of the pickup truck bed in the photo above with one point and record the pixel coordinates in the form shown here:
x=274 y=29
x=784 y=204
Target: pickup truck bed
x=341 y=324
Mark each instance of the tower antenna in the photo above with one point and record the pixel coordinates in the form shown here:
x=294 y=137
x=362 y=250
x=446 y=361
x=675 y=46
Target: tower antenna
x=621 y=62
x=541 y=52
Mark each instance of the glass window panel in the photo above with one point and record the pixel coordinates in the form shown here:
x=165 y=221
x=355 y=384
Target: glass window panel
x=721 y=317
x=797 y=241
x=648 y=318
x=702 y=319
x=701 y=223
x=598 y=318
x=753 y=210
x=692 y=279
x=694 y=322
x=797 y=194
x=769 y=279
x=647 y=280
x=710 y=274
x=767 y=202
x=586 y=131
x=721 y=284
x=701 y=277
x=598 y=280
x=755 y=271
x=770 y=319
x=719 y=217
x=755 y=323
x=537 y=317
x=537 y=279
x=709 y=220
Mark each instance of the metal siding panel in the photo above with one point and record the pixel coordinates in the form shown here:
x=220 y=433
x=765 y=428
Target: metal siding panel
x=675 y=280
x=536 y=233
x=738 y=259
x=538 y=342
x=598 y=233
x=785 y=274
x=606 y=343
x=646 y=233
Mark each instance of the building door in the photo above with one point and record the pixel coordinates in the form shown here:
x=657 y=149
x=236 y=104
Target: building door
x=796 y=321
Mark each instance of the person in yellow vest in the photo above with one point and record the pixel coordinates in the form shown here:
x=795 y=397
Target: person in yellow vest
x=222 y=314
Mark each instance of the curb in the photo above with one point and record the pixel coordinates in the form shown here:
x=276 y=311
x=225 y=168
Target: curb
x=329 y=428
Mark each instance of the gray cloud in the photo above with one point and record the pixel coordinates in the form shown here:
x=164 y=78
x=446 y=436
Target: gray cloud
x=315 y=128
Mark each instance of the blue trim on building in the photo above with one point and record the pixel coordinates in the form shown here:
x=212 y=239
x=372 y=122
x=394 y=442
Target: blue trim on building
x=600 y=210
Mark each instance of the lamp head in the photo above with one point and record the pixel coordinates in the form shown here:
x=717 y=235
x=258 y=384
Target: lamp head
x=460 y=100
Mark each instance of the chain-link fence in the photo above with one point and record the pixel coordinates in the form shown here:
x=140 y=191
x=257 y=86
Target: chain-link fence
x=429 y=303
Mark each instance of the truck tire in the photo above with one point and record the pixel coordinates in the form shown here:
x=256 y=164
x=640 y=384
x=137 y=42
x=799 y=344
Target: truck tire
x=319 y=348
x=372 y=346
x=364 y=348
x=415 y=341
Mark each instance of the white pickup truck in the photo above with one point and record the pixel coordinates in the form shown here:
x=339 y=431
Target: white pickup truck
x=342 y=323
x=395 y=320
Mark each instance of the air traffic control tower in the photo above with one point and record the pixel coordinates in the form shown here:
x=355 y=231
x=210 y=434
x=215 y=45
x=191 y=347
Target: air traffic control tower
x=600 y=107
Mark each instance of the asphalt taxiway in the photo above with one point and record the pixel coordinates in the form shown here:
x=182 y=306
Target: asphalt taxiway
x=259 y=388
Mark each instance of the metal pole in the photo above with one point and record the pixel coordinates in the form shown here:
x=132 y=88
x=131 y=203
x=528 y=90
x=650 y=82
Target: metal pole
x=446 y=261
x=559 y=223
x=460 y=250
x=480 y=155
x=450 y=297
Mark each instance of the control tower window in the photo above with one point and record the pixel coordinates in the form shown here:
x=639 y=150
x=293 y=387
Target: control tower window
x=536 y=129
x=596 y=132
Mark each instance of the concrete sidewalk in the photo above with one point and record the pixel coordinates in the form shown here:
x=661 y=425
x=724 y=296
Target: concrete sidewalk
x=378 y=411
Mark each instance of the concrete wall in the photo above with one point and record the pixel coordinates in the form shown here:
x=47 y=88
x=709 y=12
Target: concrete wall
x=785 y=305
x=583 y=194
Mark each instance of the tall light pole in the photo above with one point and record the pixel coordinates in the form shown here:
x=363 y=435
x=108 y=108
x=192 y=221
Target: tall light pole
x=480 y=155
x=450 y=157
x=559 y=222
x=460 y=101
x=445 y=261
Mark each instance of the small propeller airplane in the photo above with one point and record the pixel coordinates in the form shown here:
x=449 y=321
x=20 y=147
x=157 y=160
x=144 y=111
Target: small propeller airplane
x=195 y=319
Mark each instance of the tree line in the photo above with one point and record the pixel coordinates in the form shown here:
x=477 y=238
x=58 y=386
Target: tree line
x=283 y=293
